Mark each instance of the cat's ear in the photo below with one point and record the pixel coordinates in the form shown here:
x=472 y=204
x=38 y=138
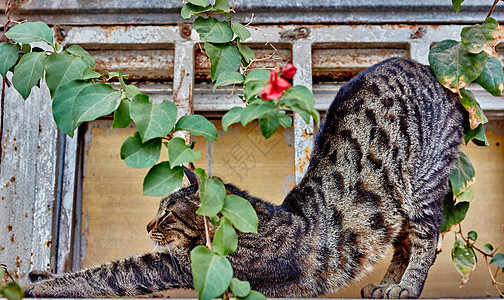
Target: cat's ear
x=191 y=176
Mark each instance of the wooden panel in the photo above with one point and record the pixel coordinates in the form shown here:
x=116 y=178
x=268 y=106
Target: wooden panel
x=148 y=64
x=342 y=61
x=28 y=182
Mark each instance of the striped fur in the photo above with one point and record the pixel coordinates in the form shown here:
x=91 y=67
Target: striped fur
x=377 y=177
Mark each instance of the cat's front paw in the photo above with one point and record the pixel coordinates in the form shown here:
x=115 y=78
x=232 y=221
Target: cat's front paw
x=37 y=291
x=394 y=291
x=373 y=291
x=398 y=291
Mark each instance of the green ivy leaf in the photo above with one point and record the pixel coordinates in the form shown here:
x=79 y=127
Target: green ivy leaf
x=454 y=66
x=253 y=295
x=246 y=53
x=62 y=68
x=462 y=174
x=131 y=91
x=477 y=135
x=80 y=52
x=211 y=273
x=231 y=117
x=28 y=72
x=285 y=121
x=453 y=213
x=269 y=126
x=227 y=78
x=63 y=103
x=29 y=32
x=476 y=37
x=8 y=56
x=457 y=4
x=256 y=110
x=466 y=195
x=240 y=288
x=221 y=5
x=254 y=82
x=58 y=47
x=211 y=30
x=492 y=77
x=472 y=235
x=301 y=97
x=188 y=10
x=162 y=179
x=198 y=2
x=89 y=73
x=122 y=115
x=223 y=57
x=476 y=114
x=140 y=155
x=498 y=260
x=225 y=239
x=241 y=31
x=180 y=153
x=488 y=248
x=153 y=120
x=240 y=213
x=212 y=193
x=464 y=260
x=94 y=101
x=11 y=291
x=198 y=125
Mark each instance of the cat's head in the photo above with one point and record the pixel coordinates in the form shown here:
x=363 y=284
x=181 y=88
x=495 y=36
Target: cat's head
x=176 y=224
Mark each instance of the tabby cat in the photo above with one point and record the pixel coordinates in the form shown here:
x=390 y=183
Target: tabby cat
x=377 y=177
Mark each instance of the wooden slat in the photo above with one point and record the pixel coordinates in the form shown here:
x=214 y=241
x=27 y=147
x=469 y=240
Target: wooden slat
x=28 y=182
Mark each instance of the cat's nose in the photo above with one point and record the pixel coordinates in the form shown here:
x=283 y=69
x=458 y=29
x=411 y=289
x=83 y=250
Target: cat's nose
x=151 y=225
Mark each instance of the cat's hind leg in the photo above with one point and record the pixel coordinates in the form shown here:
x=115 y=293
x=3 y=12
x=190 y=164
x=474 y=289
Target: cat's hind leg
x=423 y=254
x=398 y=264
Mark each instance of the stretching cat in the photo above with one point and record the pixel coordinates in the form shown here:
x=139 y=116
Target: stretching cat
x=377 y=177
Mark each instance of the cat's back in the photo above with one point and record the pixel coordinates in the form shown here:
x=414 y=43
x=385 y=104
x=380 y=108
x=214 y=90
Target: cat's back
x=395 y=112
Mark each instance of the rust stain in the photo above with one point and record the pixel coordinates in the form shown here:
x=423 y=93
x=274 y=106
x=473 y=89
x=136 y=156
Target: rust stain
x=6 y=185
x=48 y=243
x=3 y=197
x=111 y=28
x=40 y=129
x=12 y=238
x=2 y=248
x=18 y=262
x=26 y=215
x=307 y=134
x=13 y=179
x=9 y=228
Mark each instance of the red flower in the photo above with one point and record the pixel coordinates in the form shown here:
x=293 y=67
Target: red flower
x=275 y=87
x=288 y=71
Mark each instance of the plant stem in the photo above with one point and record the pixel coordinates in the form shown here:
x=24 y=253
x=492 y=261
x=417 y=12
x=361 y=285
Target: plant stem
x=492 y=9
x=207 y=234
